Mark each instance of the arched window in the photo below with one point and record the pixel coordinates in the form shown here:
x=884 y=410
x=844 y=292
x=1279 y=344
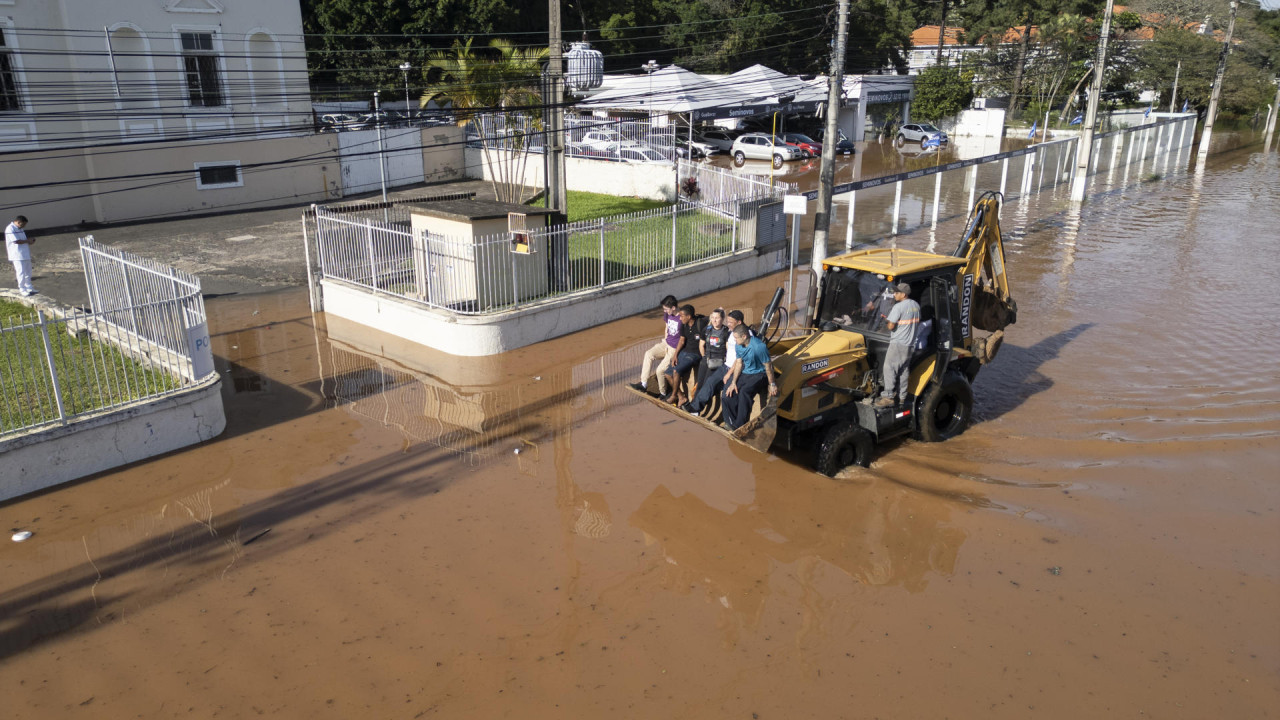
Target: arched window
x=132 y=58
x=265 y=69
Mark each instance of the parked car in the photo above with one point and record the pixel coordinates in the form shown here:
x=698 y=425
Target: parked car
x=843 y=146
x=601 y=139
x=759 y=146
x=811 y=147
x=918 y=132
x=715 y=137
x=639 y=154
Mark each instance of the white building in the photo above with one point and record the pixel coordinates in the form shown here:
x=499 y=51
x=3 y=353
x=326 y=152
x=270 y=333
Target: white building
x=120 y=109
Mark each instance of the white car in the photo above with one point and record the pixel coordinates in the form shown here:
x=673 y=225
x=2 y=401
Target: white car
x=719 y=139
x=759 y=146
x=639 y=154
x=604 y=139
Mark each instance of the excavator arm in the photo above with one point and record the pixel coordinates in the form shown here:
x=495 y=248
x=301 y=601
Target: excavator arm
x=982 y=280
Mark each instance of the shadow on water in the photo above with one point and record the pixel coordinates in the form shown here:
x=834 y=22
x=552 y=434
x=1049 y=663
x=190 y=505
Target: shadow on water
x=42 y=609
x=1019 y=376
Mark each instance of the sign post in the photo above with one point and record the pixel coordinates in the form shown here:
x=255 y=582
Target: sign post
x=797 y=206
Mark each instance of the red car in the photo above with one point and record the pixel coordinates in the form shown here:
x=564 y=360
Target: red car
x=811 y=147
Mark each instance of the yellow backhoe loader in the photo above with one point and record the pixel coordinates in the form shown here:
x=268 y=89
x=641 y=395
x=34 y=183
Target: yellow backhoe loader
x=830 y=373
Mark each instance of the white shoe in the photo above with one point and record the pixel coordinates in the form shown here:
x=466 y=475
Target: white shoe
x=28 y=293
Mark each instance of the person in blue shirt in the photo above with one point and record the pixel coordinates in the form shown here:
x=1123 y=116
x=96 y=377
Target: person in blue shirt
x=751 y=370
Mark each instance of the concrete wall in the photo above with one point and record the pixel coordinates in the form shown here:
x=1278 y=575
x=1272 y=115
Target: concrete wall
x=47 y=458
x=655 y=181
x=493 y=334
x=975 y=123
x=443 y=159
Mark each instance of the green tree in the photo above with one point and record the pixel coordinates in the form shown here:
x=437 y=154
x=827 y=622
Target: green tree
x=497 y=94
x=1008 y=26
x=941 y=91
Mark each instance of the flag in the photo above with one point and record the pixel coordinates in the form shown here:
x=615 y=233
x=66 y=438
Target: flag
x=1184 y=106
x=1077 y=120
x=1032 y=135
x=1148 y=112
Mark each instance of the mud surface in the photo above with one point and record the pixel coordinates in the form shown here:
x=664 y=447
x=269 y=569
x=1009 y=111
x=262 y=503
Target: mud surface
x=1102 y=542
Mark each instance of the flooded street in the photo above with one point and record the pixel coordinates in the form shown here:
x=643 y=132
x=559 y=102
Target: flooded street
x=387 y=531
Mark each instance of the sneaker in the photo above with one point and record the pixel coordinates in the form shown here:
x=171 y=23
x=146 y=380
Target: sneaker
x=688 y=407
x=884 y=402
x=28 y=293
x=637 y=386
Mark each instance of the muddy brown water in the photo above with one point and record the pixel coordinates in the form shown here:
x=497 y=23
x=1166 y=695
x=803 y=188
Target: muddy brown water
x=1102 y=542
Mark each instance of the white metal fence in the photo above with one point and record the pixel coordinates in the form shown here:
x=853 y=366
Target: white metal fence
x=714 y=185
x=1022 y=173
x=487 y=274
x=146 y=337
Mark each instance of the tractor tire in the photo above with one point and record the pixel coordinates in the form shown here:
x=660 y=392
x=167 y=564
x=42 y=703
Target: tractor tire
x=946 y=409
x=844 y=444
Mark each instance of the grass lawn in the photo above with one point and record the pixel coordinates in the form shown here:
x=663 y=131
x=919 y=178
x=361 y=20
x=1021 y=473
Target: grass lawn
x=639 y=246
x=591 y=206
x=91 y=374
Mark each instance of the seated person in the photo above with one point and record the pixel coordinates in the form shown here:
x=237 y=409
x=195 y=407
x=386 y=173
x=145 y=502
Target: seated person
x=713 y=383
x=925 y=331
x=688 y=353
x=714 y=345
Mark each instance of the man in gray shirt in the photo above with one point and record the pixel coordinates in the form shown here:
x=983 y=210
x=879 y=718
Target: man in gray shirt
x=904 y=322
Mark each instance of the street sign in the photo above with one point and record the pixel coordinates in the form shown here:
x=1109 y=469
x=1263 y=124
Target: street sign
x=795 y=204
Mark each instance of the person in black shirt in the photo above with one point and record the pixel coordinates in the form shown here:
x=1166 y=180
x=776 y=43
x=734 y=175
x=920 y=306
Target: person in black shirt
x=688 y=351
x=714 y=344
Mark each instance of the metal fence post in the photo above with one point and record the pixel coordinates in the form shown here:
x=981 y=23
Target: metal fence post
x=897 y=204
x=973 y=183
x=848 y=230
x=937 y=192
x=1004 y=175
x=373 y=271
x=53 y=370
x=128 y=294
x=674 y=214
x=601 y=252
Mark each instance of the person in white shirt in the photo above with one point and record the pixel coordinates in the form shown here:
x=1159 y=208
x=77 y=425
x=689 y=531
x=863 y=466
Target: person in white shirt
x=18 y=246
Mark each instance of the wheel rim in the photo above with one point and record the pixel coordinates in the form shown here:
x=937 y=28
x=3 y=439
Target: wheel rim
x=947 y=416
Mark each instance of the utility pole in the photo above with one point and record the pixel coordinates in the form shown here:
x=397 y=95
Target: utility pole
x=1207 y=133
x=1173 y=97
x=1271 y=119
x=942 y=31
x=827 y=170
x=1084 y=151
x=556 y=189
x=382 y=156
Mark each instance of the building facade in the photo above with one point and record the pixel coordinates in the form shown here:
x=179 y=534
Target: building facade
x=129 y=109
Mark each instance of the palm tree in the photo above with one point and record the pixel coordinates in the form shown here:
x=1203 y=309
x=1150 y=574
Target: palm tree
x=498 y=95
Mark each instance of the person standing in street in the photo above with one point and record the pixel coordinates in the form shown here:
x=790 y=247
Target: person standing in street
x=903 y=321
x=664 y=352
x=18 y=246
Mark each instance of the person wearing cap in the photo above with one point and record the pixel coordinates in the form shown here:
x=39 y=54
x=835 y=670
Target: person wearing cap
x=903 y=321
x=714 y=381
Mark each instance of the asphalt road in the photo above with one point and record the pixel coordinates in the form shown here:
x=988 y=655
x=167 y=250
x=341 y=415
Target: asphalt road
x=234 y=253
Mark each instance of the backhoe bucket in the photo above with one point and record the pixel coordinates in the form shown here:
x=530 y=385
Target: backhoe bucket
x=760 y=430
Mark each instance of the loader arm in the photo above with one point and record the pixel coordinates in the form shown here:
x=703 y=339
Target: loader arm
x=983 y=273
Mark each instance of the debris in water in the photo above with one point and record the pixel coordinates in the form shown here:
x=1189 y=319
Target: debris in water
x=517 y=451
x=1055 y=570
x=255 y=537
x=21 y=536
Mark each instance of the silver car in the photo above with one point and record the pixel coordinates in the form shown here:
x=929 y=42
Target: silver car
x=919 y=132
x=760 y=146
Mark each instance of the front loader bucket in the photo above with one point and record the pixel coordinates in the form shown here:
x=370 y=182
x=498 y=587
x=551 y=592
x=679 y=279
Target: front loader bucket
x=760 y=430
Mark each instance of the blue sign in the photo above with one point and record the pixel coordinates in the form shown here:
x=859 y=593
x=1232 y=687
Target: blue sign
x=931 y=141
x=1032 y=135
x=1148 y=112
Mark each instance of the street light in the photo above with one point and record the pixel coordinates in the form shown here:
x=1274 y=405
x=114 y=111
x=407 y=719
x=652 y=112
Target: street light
x=650 y=67
x=408 y=111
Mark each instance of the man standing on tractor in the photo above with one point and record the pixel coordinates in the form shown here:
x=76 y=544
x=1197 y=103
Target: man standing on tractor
x=903 y=321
